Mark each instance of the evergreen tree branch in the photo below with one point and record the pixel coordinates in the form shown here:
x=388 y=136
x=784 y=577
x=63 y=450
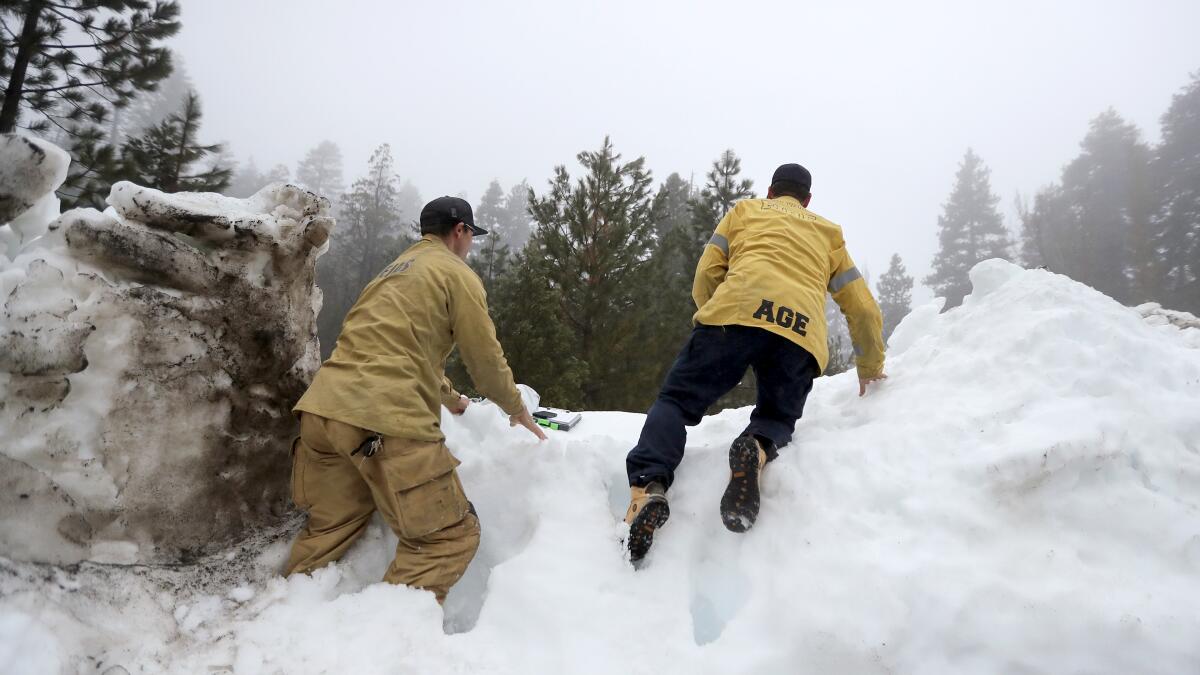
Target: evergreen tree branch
x=77 y=85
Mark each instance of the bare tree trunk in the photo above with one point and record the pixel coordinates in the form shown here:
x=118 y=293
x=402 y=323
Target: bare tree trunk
x=16 y=81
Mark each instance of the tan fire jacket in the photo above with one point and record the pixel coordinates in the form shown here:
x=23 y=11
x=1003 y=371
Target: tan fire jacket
x=387 y=371
x=769 y=265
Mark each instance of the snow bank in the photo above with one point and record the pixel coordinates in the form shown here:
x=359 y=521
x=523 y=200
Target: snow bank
x=1020 y=496
x=148 y=356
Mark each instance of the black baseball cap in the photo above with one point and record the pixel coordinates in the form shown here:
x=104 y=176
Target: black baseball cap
x=793 y=173
x=444 y=211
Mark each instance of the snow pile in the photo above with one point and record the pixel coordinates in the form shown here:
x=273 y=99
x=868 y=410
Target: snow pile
x=1023 y=495
x=148 y=356
x=1171 y=321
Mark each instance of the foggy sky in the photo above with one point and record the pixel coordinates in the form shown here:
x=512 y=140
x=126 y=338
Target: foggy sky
x=878 y=100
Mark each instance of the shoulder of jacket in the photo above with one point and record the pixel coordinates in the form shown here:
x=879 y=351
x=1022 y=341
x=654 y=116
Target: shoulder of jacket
x=740 y=208
x=743 y=205
x=818 y=218
x=826 y=223
x=456 y=268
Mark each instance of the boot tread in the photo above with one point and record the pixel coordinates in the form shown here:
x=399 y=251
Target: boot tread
x=740 y=503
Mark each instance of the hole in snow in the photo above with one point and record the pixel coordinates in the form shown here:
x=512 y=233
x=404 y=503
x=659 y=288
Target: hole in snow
x=719 y=590
x=618 y=495
x=506 y=523
x=464 y=602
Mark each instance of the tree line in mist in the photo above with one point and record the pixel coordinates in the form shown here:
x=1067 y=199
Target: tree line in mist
x=589 y=277
x=1124 y=217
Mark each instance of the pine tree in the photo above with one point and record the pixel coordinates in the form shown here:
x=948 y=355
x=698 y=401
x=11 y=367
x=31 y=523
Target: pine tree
x=372 y=217
x=1094 y=226
x=95 y=166
x=666 y=309
x=150 y=107
x=895 y=295
x=674 y=264
x=369 y=234
x=321 y=170
x=246 y=180
x=279 y=174
x=721 y=191
x=537 y=343
x=1107 y=186
x=1032 y=240
x=1177 y=220
x=593 y=236
x=675 y=249
x=66 y=66
x=169 y=157
x=51 y=53
x=970 y=229
x=1048 y=231
x=676 y=196
x=490 y=257
x=516 y=216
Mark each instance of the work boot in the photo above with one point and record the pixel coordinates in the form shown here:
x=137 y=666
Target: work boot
x=739 y=504
x=647 y=512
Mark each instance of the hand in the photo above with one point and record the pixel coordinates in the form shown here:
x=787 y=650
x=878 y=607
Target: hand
x=526 y=420
x=460 y=407
x=864 y=381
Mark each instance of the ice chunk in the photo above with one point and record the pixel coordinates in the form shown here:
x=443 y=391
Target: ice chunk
x=33 y=223
x=213 y=217
x=30 y=169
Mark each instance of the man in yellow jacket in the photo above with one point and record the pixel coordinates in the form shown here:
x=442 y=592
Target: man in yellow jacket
x=760 y=292
x=370 y=423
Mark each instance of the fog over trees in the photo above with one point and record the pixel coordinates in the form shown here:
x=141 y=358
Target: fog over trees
x=589 y=272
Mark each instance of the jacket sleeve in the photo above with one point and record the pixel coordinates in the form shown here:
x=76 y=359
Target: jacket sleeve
x=853 y=296
x=714 y=262
x=477 y=344
x=450 y=395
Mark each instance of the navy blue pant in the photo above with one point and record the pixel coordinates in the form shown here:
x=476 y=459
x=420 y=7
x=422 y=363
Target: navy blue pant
x=713 y=362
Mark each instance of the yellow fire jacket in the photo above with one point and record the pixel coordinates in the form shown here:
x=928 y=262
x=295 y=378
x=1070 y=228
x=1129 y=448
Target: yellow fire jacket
x=769 y=265
x=387 y=371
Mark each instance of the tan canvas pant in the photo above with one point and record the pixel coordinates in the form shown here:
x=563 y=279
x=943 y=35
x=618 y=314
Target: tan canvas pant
x=414 y=486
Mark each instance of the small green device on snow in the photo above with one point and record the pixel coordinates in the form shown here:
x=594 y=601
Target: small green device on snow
x=557 y=418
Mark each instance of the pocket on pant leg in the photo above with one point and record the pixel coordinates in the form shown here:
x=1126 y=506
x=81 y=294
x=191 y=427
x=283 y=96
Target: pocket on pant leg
x=300 y=461
x=427 y=492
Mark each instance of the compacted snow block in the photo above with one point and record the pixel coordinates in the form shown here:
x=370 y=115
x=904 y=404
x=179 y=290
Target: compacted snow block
x=30 y=169
x=149 y=356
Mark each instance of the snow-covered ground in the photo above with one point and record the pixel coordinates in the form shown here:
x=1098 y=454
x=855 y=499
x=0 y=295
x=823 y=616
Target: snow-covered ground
x=1021 y=496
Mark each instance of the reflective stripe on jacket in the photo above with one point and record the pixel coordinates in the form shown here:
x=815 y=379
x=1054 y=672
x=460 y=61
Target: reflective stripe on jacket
x=769 y=265
x=387 y=371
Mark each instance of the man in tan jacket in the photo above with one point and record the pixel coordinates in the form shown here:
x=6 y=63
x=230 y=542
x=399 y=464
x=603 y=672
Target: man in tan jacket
x=760 y=295
x=370 y=423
